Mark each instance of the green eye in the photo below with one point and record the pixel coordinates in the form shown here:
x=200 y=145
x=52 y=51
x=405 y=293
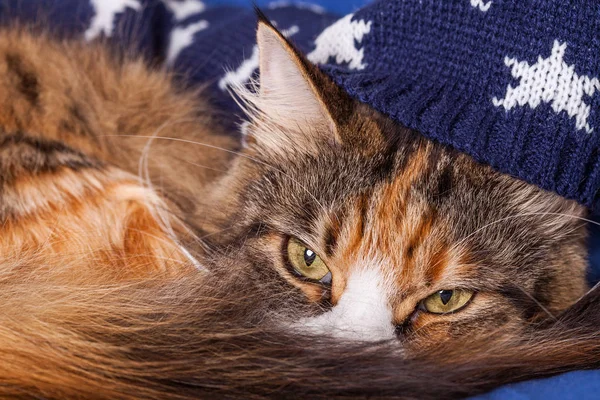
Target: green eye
x=447 y=301
x=306 y=262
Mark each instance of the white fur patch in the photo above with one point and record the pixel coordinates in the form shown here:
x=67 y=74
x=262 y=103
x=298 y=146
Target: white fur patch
x=362 y=313
x=338 y=40
x=182 y=37
x=184 y=9
x=106 y=11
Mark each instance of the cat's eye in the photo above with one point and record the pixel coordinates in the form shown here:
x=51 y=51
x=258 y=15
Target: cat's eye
x=447 y=301
x=306 y=262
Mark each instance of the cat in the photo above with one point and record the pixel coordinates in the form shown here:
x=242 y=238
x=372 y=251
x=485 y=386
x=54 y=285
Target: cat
x=145 y=254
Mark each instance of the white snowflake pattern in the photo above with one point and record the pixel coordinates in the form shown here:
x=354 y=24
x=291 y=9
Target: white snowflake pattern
x=185 y=8
x=482 y=5
x=301 y=5
x=337 y=41
x=105 y=13
x=550 y=80
x=182 y=37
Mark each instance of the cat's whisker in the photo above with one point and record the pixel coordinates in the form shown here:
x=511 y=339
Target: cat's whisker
x=204 y=166
x=240 y=154
x=574 y=229
x=146 y=233
x=144 y=173
x=210 y=146
x=55 y=226
x=217 y=232
x=540 y=305
x=143 y=168
x=510 y=217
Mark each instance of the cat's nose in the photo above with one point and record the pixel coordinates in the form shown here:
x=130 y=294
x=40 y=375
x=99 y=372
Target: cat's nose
x=362 y=313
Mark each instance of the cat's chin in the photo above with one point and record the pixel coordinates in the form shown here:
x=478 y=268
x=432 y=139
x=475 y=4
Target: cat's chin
x=330 y=324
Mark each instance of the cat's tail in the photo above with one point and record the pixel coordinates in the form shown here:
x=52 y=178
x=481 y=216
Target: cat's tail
x=187 y=337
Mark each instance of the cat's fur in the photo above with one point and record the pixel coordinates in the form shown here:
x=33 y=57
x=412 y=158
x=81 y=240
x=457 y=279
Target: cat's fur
x=172 y=285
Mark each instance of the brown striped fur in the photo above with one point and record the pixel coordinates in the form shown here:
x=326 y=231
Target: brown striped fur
x=129 y=271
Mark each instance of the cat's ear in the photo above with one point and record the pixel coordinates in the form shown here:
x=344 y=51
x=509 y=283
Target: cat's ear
x=292 y=102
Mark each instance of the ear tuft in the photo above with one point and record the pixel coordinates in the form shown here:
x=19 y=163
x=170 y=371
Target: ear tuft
x=289 y=111
x=260 y=15
x=285 y=79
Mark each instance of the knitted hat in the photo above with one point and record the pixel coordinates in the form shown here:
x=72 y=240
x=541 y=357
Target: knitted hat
x=513 y=83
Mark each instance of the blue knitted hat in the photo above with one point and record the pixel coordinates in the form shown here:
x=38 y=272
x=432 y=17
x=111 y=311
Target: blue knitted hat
x=513 y=83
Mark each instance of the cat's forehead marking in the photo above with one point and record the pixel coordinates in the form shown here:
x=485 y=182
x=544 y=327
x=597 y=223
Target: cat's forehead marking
x=395 y=223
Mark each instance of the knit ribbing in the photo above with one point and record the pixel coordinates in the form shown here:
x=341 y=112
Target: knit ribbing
x=515 y=86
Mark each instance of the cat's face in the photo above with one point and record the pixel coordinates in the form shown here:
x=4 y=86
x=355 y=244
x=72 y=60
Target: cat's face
x=387 y=234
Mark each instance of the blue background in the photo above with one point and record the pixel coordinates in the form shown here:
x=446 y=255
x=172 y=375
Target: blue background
x=574 y=385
